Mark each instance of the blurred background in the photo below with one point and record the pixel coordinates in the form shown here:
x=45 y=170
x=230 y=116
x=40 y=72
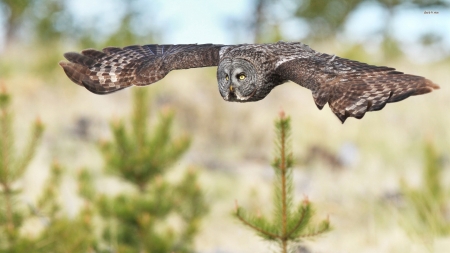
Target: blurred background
x=371 y=176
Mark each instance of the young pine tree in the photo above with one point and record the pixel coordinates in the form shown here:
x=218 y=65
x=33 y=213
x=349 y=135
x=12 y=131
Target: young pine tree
x=289 y=224
x=141 y=156
x=59 y=233
x=12 y=168
x=428 y=206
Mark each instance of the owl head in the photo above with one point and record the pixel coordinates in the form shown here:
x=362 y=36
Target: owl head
x=238 y=80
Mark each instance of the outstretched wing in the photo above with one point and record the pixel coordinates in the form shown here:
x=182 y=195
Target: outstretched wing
x=352 y=88
x=114 y=68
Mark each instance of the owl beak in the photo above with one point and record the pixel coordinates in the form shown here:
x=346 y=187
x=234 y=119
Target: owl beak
x=231 y=96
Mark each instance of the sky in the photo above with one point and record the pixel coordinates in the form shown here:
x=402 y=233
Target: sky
x=207 y=21
x=183 y=22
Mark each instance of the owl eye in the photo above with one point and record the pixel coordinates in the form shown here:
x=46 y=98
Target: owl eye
x=241 y=76
x=226 y=77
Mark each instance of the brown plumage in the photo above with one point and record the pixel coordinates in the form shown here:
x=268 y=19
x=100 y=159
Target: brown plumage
x=249 y=72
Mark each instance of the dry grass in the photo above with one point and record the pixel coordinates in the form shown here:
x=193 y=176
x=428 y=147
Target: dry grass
x=233 y=145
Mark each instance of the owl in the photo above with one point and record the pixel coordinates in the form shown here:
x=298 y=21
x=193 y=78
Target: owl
x=248 y=72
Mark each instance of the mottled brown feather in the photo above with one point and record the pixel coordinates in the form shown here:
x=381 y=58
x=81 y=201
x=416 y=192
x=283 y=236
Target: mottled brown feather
x=114 y=68
x=352 y=88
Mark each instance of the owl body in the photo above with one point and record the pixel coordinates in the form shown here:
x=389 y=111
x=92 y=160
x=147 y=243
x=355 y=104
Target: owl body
x=248 y=72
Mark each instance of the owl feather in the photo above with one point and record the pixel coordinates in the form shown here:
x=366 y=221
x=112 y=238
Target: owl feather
x=249 y=72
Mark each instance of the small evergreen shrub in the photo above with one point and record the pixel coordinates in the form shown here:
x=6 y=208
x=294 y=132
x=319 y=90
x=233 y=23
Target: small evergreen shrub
x=427 y=207
x=138 y=221
x=289 y=224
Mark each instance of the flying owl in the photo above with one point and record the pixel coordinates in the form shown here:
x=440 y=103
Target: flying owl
x=248 y=72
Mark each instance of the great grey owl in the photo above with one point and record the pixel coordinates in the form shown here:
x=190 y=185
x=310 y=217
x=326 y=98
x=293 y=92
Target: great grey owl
x=249 y=72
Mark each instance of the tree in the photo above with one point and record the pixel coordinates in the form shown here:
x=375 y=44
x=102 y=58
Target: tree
x=12 y=168
x=15 y=10
x=59 y=233
x=136 y=221
x=289 y=224
x=427 y=207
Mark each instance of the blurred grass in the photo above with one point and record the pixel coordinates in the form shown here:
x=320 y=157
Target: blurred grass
x=233 y=143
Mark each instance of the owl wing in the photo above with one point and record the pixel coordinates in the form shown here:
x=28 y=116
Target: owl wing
x=113 y=68
x=352 y=88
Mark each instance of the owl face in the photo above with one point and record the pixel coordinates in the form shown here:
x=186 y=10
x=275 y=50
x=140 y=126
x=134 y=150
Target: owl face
x=237 y=80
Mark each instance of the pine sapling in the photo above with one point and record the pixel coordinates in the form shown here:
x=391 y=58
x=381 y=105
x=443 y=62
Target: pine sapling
x=428 y=205
x=12 y=168
x=140 y=155
x=289 y=224
x=61 y=233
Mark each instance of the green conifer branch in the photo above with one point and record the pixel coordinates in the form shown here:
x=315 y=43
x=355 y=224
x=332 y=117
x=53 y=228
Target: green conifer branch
x=432 y=173
x=190 y=200
x=259 y=224
x=6 y=143
x=304 y=214
x=160 y=136
x=30 y=150
x=47 y=203
x=86 y=187
x=5 y=166
x=323 y=227
x=139 y=116
x=121 y=141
